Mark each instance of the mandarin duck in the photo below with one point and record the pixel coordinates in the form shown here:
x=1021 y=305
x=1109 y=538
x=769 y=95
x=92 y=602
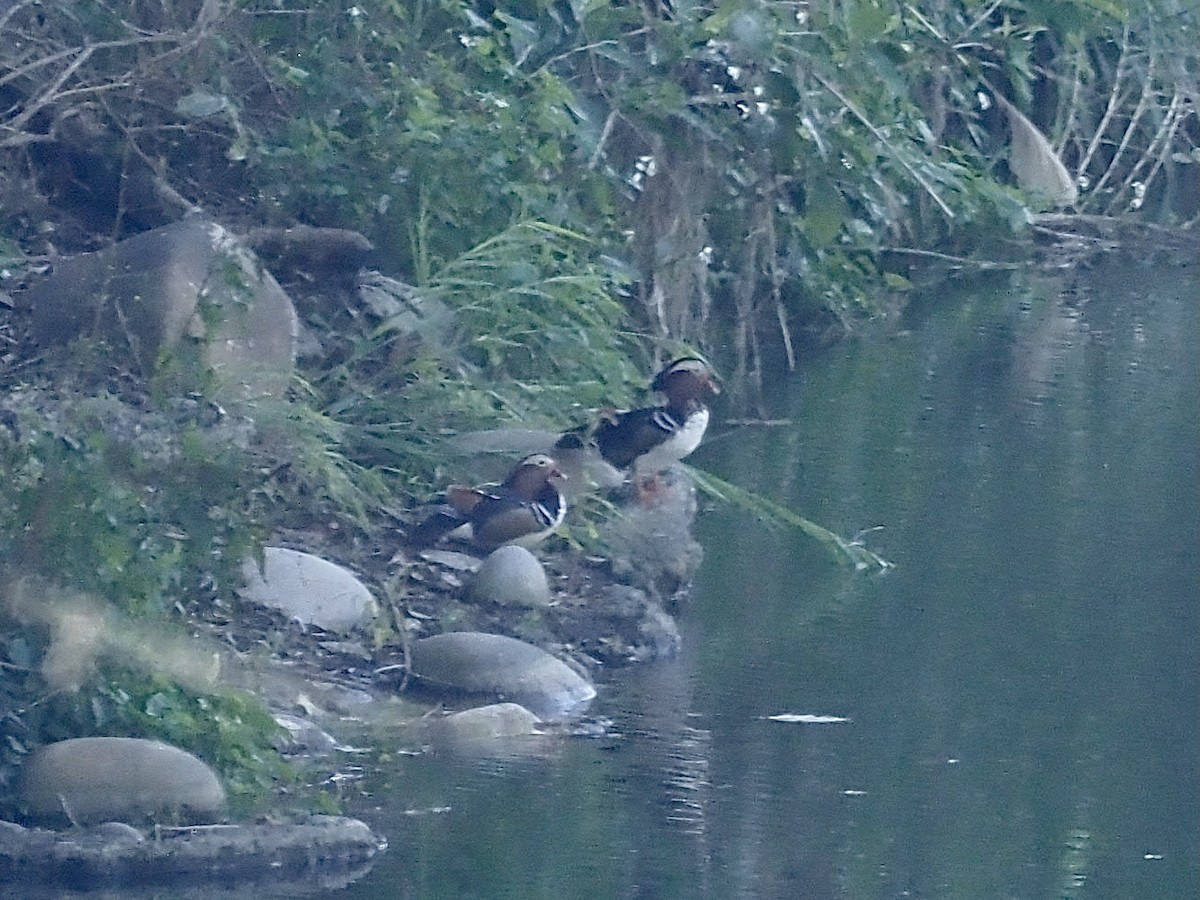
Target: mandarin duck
x=523 y=510
x=642 y=442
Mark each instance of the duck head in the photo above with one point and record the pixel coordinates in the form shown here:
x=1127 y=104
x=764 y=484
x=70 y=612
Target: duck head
x=686 y=380
x=531 y=475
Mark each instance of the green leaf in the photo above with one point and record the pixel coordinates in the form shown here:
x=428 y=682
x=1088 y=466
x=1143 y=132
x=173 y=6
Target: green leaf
x=201 y=105
x=771 y=513
x=866 y=21
x=824 y=212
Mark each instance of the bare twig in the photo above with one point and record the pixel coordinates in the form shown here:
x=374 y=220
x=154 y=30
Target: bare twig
x=960 y=261
x=983 y=16
x=94 y=89
x=65 y=53
x=1115 y=102
x=161 y=186
x=1131 y=129
x=604 y=135
x=13 y=10
x=929 y=26
x=1168 y=235
x=51 y=59
x=208 y=14
x=54 y=92
x=1155 y=153
x=1072 y=110
x=51 y=91
x=777 y=280
x=1179 y=113
x=781 y=317
x=22 y=138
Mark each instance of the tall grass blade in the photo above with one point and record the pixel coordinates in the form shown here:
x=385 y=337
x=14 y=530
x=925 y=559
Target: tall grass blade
x=775 y=515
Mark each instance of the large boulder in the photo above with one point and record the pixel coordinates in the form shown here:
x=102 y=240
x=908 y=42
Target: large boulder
x=500 y=668
x=309 y=589
x=84 y=781
x=650 y=544
x=496 y=731
x=145 y=295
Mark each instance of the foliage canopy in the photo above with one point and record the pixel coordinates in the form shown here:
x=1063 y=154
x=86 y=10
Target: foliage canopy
x=749 y=160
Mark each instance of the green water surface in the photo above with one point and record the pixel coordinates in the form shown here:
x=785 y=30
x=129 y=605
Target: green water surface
x=1021 y=689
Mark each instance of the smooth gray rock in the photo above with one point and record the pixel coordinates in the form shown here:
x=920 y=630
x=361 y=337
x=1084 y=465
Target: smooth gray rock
x=495 y=721
x=496 y=731
x=193 y=278
x=252 y=345
x=304 y=736
x=501 y=668
x=414 y=319
x=310 y=589
x=142 y=291
x=511 y=576
x=97 y=779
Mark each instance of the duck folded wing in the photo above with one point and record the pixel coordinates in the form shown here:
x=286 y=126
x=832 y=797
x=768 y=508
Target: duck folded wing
x=523 y=510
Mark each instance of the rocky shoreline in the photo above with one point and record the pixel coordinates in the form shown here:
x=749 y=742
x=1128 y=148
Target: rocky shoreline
x=475 y=652
x=315 y=680
x=599 y=613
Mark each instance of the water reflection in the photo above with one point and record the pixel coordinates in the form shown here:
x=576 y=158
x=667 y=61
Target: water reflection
x=1021 y=689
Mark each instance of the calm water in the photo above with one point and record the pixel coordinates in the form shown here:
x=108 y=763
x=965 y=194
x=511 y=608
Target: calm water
x=1021 y=688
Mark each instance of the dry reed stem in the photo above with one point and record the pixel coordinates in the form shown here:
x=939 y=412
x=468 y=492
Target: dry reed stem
x=1131 y=129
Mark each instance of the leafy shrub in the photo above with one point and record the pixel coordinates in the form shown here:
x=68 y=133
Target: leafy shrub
x=120 y=503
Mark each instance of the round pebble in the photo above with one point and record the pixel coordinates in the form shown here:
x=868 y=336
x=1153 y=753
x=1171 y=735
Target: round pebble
x=511 y=576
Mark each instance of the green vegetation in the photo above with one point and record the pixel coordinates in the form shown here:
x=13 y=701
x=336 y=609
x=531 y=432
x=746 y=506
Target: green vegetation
x=137 y=512
x=750 y=162
x=229 y=730
x=521 y=330
x=851 y=553
x=563 y=191
x=120 y=504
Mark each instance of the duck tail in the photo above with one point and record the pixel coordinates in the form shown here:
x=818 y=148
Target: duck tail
x=434 y=527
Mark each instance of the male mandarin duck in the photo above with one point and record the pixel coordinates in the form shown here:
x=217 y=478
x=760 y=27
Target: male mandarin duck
x=642 y=442
x=523 y=510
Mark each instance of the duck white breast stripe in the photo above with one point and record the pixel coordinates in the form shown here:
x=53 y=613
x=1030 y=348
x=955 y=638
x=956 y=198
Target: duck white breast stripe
x=546 y=517
x=664 y=420
x=679 y=443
